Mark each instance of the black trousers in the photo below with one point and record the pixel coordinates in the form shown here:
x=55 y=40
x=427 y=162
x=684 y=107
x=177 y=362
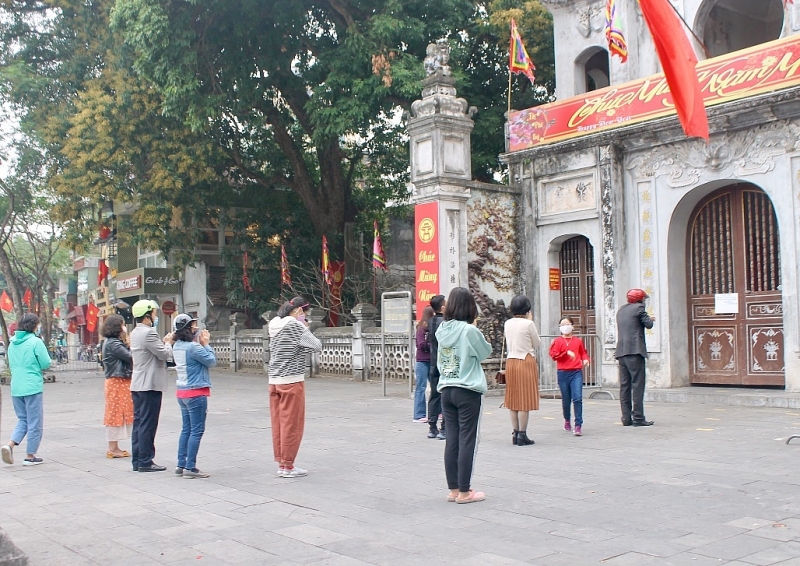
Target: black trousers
x=435 y=400
x=146 y=411
x=631 y=387
x=462 y=411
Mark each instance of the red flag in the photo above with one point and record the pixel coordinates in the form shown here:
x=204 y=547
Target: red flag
x=102 y=272
x=245 y=278
x=5 y=302
x=518 y=60
x=326 y=262
x=27 y=298
x=91 y=317
x=73 y=326
x=286 y=279
x=678 y=61
x=378 y=255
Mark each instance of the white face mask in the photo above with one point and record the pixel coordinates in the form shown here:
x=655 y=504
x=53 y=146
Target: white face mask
x=566 y=329
x=155 y=322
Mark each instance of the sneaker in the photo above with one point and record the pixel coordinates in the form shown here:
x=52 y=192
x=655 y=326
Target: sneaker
x=441 y=436
x=433 y=433
x=281 y=471
x=294 y=472
x=420 y=420
x=32 y=461
x=577 y=431
x=193 y=473
x=7 y=453
x=178 y=471
x=567 y=426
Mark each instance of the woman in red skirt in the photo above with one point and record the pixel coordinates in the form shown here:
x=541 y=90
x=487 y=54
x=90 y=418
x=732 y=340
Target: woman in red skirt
x=522 y=372
x=117 y=366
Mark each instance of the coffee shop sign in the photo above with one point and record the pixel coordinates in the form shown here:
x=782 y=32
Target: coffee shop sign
x=161 y=281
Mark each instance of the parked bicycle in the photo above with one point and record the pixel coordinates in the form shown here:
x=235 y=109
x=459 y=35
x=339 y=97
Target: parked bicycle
x=87 y=353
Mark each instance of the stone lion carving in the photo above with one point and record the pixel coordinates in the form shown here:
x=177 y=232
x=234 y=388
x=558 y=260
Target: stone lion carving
x=437 y=57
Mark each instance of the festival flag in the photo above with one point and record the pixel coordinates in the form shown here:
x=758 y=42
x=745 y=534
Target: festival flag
x=286 y=279
x=378 y=256
x=73 y=326
x=91 y=317
x=678 y=61
x=245 y=278
x=5 y=302
x=27 y=298
x=519 y=62
x=616 y=39
x=102 y=272
x=326 y=263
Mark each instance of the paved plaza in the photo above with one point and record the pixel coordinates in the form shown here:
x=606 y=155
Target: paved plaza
x=707 y=485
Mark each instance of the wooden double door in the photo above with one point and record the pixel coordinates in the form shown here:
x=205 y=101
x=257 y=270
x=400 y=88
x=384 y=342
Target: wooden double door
x=735 y=308
x=577 y=284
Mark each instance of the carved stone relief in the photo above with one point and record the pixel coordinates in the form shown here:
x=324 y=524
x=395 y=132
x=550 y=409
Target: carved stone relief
x=609 y=246
x=570 y=194
x=591 y=19
x=736 y=154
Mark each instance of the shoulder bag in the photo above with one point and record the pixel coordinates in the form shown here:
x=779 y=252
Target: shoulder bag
x=500 y=376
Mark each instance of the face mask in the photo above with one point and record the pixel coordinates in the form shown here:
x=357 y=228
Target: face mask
x=38 y=330
x=301 y=318
x=566 y=329
x=155 y=321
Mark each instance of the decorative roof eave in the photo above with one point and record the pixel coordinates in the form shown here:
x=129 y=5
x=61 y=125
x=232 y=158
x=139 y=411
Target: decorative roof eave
x=726 y=117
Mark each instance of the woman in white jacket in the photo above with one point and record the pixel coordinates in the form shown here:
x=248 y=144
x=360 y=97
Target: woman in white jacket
x=289 y=341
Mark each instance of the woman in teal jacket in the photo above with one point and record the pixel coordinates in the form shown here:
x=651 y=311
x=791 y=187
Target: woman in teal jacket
x=462 y=384
x=28 y=358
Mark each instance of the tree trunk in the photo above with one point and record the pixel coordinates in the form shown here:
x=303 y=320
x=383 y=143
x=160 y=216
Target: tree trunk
x=11 y=280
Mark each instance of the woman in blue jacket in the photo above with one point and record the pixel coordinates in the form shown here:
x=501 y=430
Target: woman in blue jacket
x=27 y=358
x=462 y=384
x=193 y=356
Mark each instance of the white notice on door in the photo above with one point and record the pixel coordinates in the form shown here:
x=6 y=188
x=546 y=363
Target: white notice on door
x=726 y=303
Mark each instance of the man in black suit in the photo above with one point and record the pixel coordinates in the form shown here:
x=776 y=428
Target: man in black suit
x=632 y=319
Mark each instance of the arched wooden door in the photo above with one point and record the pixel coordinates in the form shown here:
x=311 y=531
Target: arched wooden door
x=733 y=253
x=577 y=284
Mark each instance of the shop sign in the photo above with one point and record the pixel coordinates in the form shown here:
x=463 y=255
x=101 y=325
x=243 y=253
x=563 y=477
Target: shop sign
x=765 y=68
x=129 y=285
x=426 y=252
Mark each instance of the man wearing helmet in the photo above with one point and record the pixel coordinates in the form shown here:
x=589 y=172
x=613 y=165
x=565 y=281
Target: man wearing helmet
x=632 y=319
x=148 y=383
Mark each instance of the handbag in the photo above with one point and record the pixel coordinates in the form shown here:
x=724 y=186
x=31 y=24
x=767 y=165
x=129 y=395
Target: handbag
x=500 y=376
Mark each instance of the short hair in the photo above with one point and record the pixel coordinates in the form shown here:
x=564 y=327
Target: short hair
x=520 y=305
x=461 y=306
x=569 y=318
x=436 y=303
x=28 y=322
x=112 y=326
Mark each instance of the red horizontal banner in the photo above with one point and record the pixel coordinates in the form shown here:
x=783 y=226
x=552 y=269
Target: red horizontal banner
x=764 y=68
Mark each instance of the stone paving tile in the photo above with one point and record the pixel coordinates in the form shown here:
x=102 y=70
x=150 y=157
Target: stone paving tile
x=735 y=547
x=232 y=552
x=774 y=555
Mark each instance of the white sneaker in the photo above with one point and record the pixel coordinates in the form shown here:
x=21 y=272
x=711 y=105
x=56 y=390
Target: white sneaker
x=281 y=471
x=294 y=473
x=7 y=453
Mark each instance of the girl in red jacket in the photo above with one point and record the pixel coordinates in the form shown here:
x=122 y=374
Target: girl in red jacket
x=571 y=357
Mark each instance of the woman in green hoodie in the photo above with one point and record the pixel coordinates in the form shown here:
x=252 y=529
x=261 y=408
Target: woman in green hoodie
x=27 y=358
x=462 y=384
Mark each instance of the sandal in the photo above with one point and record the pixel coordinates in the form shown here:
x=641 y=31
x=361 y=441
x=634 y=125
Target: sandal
x=474 y=497
x=451 y=498
x=111 y=455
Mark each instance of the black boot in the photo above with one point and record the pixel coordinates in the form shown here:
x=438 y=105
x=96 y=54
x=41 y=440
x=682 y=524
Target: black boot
x=514 y=437
x=522 y=438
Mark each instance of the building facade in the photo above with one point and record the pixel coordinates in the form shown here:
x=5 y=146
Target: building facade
x=615 y=196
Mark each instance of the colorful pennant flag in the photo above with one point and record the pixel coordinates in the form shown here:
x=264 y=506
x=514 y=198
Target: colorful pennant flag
x=5 y=302
x=286 y=279
x=326 y=263
x=679 y=62
x=27 y=298
x=245 y=278
x=616 y=39
x=378 y=256
x=519 y=62
x=91 y=317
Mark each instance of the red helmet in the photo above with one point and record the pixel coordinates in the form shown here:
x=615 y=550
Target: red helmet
x=636 y=295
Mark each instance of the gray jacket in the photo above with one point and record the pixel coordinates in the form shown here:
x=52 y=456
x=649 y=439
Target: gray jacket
x=632 y=319
x=150 y=355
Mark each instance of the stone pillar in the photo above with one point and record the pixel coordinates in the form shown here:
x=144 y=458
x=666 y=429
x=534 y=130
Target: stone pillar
x=237 y=321
x=315 y=317
x=266 y=317
x=364 y=314
x=439 y=132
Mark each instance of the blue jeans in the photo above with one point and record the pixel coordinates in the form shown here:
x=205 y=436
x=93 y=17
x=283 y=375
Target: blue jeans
x=421 y=369
x=30 y=416
x=193 y=411
x=570 y=381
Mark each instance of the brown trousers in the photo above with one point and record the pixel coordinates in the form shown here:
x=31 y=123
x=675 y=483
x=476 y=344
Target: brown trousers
x=287 y=409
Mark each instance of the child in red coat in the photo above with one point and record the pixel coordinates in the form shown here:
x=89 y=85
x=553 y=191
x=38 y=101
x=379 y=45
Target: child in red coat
x=571 y=357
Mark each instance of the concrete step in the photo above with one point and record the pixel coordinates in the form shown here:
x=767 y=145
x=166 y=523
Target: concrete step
x=725 y=396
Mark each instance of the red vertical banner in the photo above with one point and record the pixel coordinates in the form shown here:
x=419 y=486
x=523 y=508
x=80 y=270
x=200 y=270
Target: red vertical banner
x=426 y=252
x=337 y=275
